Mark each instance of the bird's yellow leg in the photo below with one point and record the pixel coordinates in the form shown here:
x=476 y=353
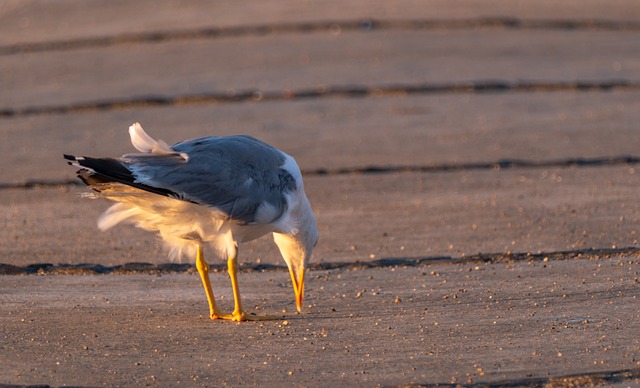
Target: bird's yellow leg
x=239 y=314
x=203 y=270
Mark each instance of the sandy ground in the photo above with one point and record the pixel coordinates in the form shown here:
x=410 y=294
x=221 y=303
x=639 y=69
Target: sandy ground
x=441 y=323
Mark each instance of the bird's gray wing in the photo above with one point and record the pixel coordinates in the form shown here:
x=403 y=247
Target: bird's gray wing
x=239 y=176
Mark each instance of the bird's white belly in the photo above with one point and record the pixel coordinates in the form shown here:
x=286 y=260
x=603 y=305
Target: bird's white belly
x=180 y=224
x=242 y=233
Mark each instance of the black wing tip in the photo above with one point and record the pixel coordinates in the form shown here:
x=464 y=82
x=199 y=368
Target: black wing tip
x=96 y=171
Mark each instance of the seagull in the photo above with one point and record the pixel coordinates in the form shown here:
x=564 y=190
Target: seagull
x=219 y=191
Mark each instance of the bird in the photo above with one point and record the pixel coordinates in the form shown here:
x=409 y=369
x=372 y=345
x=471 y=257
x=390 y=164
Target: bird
x=218 y=191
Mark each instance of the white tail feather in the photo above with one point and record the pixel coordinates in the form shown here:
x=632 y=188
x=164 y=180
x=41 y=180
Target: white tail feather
x=145 y=143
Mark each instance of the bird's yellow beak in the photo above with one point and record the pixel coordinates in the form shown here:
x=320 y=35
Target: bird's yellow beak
x=298 y=288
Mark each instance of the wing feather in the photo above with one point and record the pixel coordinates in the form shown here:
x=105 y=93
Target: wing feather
x=238 y=176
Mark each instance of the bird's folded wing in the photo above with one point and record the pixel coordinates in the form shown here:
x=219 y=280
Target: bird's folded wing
x=244 y=193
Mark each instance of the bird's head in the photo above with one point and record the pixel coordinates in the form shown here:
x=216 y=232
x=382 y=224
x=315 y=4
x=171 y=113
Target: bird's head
x=296 y=247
